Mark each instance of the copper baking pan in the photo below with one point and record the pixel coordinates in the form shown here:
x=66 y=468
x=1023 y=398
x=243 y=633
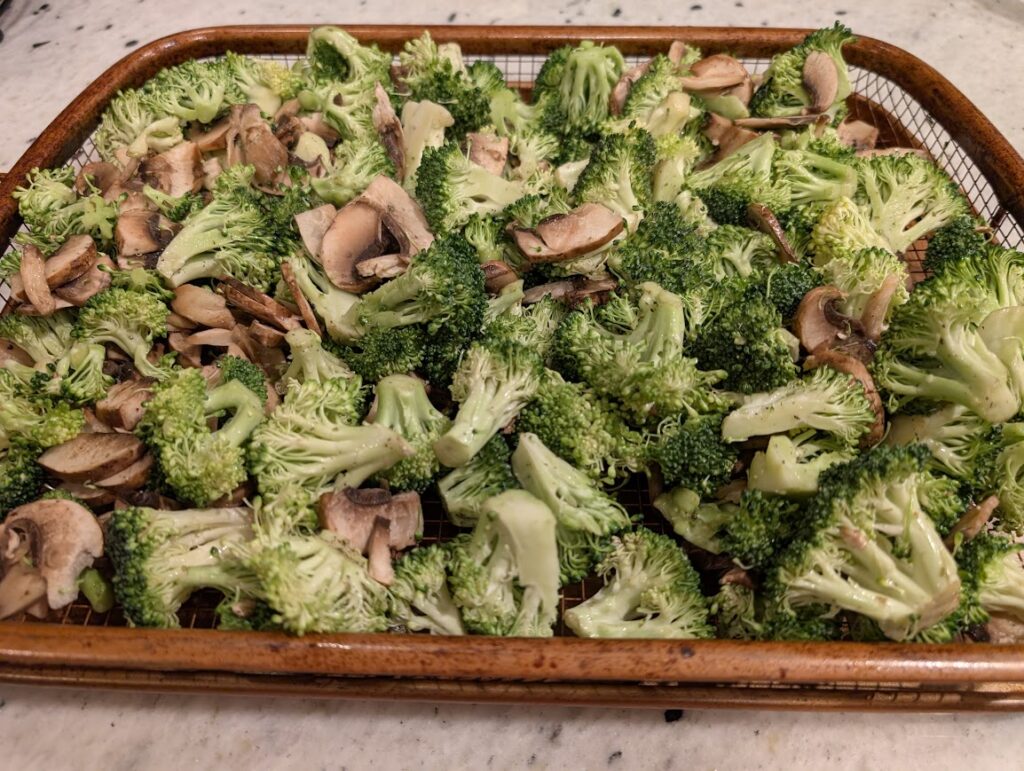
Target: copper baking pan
x=908 y=100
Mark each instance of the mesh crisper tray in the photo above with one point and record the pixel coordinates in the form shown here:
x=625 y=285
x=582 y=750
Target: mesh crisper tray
x=901 y=120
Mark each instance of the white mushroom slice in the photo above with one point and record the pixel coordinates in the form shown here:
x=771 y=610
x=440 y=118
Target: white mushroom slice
x=315 y=123
x=488 y=151
x=129 y=478
x=821 y=80
x=564 y=236
x=354 y=235
x=33 y=280
x=384 y=267
x=214 y=138
x=65 y=540
x=973 y=521
x=250 y=141
x=351 y=514
x=714 y=72
x=202 y=306
x=265 y=335
x=89 y=457
x=176 y=171
x=877 y=307
x=73 y=259
x=189 y=354
x=401 y=215
x=389 y=129
x=98 y=174
x=217 y=338
x=11 y=352
x=858 y=134
x=677 y=51
x=498 y=275
x=135 y=201
x=764 y=219
x=142 y=232
x=91 y=283
x=313 y=224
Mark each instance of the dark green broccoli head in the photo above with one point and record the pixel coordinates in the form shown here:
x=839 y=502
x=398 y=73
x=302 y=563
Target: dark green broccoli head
x=963 y=238
x=247 y=373
x=691 y=454
x=383 y=352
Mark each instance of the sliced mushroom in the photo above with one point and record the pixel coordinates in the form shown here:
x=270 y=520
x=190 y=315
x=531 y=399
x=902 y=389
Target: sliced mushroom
x=176 y=171
x=378 y=552
x=677 y=51
x=1003 y=630
x=305 y=310
x=315 y=123
x=129 y=478
x=384 y=267
x=572 y=291
x=488 y=151
x=564 y=236
x=877 y=307
x=498 y=275
x=855 y=368
x=88 y=494
x=786 y=122
x=124 y=403
x=265 y=335
x=819 y=325
x=354 y=235
x=973 y=521
x=764 y=219
x=821 y=80
x=269 y=358
x=98 y=174
x=142 y=232
x=351 y=514
x=214 y=138
x=178 y=323
x=401 y=215
x=78 y=291
x=288 y=130
x=257 y=304
x=714 y=72
x=89 y=457
x=202 y=306
x=22 y=587
x=33 y=281
x=250 y=141
x=313 y=224
x=858 y=134
x=189 y=354
x=716 y=127
x=389 y=129
x=73 y=259
x=617 y=100
x=217 y=338
x=65 y=539
x=288 y=109
x=11 y=352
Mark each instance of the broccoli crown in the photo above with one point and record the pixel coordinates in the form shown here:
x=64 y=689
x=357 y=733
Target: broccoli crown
x=735 y=613
x=784 y=286
x=862 y=274
x=827 y=401
x=1009 y=477
x=437 y=74
x=32 y=418
x=200 y=465
x=867 y=545
x=633 y=354
x=356 y=164
x=312 y=439
x=81 y=373
x=841 y=227
x=174 y=208
x=47 y=192
x=585 y=514
x=161 y=557
x=317 y=583
x=651 y=89
x=906 y=197
x=532 y=326
x=620 y=174
x=45 y=338
x=962 y=237
x=129 y=123
x=130 y=320
x=260 y=82
x=53 y=215
x=582 y=428
x=383 y=352
x=452 y=189
x=935 y=349
x=691 y=453
x=728 y=187
x=444 y=286
x=21 y=478
x=992 y=574
x=814 y=178
x=310 y=360
x=334 y=56
x=792 y=465
x=403 y=406
x=1000 y=271
x=493 y=383
x=419 y=599
x=579 y=82
x=245 y=372
x=651 y=590
x=746 y=340
x=759 y=528
x=464 y=489
x=504 y=575
x=782 y=91
x=663 y=249
x=191 y=91
x=731 y=250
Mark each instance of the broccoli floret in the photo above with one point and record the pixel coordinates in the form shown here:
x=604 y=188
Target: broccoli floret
x=177 y=209
x=82 y=380
x=759 y=528
x=663 y=249
x=744 y=177
x=310 y=360
x=935 y=349
x=634 y=356
x=452 y=189
x=1009 y=477
x=403 y=406
x=130 y=125
x=333 y=305
x=735 y=613
x=46 y=193
x=21 y=478
x=582 y=428
x=745 y=339
x=782 y=91
x=288 y=509
x=504 y=575
x=840 y=228
x=437 y=74
x=585 y=514
x=31 y=418
x=245 y=614
x=784 y=286
x=245 y=372
x=494 y=382
x=131 y=321
x=867 y=545
x=862 y=274
x=316 y=583
x=691 y=453
x=419 y=599
x=333 y=55
x=963 y=237
x=356 y=164
x=45 y=338
x=814 y=178
x=620 y=175
x=731 y=250
x=906 y=197
x=143 y=281
x=465 y=489
x=161 y=558
x=992 y=574
x=383 y=352
x=232 y=235
x=423 y=126
x=963 y=445
x=651 y=590
x=826 y=400
x=678 y=155
x=313 y=439
x=699 y=523
x=191 y=91
x=261 y=82
x=655 y=100
x=578 y=82
x=792 y=465
x=54 y=212
x=200 y=465
x=1000 y=271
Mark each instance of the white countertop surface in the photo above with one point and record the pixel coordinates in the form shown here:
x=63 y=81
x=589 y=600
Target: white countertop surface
x=50 y=51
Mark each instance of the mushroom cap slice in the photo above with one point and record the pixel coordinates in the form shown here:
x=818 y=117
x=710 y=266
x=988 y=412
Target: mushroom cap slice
x=821 y=80
x=129 y=478
x=203 y=306
x=124 y=403
x=488 y=151
x=33 y=281
x=355 y=235
x=820 y=325
x=564 y=236
x=89 y=457
x=858 y=134
x=400 y=213
x=389 y=129
x=351 y=514
x=99 y=174
x=764 y=219
x=257 y=304
x=176 y=171
x=140 y=231
x=498 y=275
x=313 y=224
x=715 y=72
x=973 y=520
x=73 y=259
x=378 y=552
x=91 y=283
x=790 y=121
x=66 y=539
x=617 y=99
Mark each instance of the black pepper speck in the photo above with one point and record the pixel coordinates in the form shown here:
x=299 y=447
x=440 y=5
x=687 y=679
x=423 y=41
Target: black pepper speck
x=109 y=26
x=617 y=755
x=41 y=44
x=131 y=43
x=617 y=12
x=696 y=7
x=673 y=715
x=451 y=17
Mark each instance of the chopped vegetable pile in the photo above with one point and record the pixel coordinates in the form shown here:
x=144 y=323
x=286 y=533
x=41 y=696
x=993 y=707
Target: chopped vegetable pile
x=288 y=301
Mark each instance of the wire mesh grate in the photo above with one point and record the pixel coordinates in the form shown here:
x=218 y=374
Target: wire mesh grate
x=901 y=120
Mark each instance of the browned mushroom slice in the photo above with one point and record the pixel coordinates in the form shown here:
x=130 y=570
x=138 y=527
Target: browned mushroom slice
x=288 y=130
x=572 y=291
x=821 y=80
x=265 y=335
x=617 y=100
x=305 y=310
x=488 y=151
x=176 y=171
x=389 y=129
x=351 y=513
x=314 y=122
x=819 y=324
x=401 y=215
x=33 y=280
x=216 y=338
x=288 y=109
x=257 y=304
x=716 y=127
x=791 y=121
x=858 y=134
x=842 y=362
x=269 y=358
x=202 y=306
x=135 y=202
x=129 y=478
x=189 y=353
x=677 y=51
x=727 y=137
x=973 y=521
x=384 y=267
x=564 y=236
x=124 y=403
x=354 y=235
x=764 y=219
x=213 y=138
x=98 y=174
x=313 y=224
x=89 y=457
x=498 y=275
x=378 y=552
x=714 y=72
x=257 y=145
x=91 y=283
x=73 y=259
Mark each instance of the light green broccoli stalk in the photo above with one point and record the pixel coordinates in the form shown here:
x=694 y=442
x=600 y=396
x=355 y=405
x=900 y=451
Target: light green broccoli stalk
x=310 y=360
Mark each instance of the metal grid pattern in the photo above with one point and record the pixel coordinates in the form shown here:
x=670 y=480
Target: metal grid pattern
x=900 y=119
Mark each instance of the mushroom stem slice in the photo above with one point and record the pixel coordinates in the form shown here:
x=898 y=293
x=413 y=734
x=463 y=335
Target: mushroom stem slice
x=33 y=279
x=257 y=304
x=715 y=72
x=305 y=310
x=389 y=129
x=973 y=521
x=821 y=79
x=21 y=587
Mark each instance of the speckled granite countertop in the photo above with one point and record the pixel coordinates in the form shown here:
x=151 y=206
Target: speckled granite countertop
x=50 y=51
